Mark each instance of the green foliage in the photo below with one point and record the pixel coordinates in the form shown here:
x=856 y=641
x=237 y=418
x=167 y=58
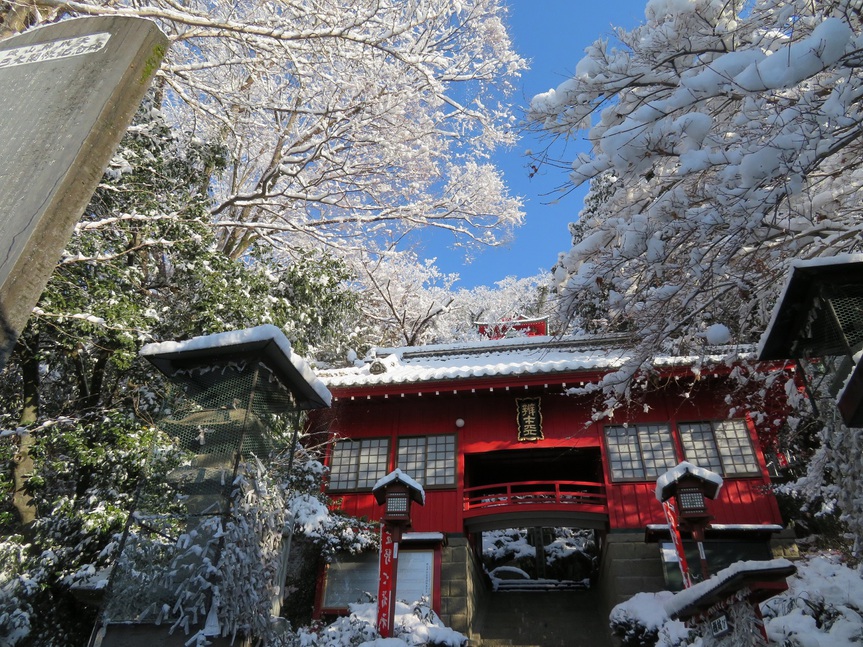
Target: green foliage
x=589 y=311
x=87 y=471
x=631 y=633
x=320 y=309
x=816 y=520
x=143 y=264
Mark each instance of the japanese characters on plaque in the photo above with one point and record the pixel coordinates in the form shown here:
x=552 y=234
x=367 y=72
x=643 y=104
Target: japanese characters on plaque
x=529 y=417
x=54 y=50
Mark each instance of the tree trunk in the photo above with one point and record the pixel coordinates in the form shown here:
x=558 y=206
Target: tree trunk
x=23 y=466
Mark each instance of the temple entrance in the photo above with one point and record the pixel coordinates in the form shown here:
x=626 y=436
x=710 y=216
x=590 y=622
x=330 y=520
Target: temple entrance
x=544 y=619
x=543 y=593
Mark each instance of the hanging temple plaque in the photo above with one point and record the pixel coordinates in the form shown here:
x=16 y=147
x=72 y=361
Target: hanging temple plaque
x=529 y=418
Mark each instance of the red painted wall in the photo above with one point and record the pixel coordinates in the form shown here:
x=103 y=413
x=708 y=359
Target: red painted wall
x=490 y=425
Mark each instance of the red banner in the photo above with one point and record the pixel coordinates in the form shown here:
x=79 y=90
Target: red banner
x=674 y=530
x=386 y=582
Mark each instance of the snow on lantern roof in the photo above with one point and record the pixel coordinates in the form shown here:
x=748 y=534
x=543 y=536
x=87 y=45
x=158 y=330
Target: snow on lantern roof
x=266 y=342
x=703 y=595
x=675 y=474
x=397 y=476
x=539 y=355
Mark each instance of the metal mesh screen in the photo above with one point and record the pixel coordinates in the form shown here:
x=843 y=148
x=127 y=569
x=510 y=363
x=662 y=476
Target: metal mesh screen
x=837 y=324
x=225 y=413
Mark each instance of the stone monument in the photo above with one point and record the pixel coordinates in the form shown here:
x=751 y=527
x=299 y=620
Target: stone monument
x=69 y=91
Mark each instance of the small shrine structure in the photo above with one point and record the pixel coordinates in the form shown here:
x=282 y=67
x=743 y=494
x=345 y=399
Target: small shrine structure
x=188 y=557
x=724 y=610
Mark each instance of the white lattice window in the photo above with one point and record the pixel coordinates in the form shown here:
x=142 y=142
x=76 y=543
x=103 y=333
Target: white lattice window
x=723 y=446
x=428 y=459
x=358 y=464
x=639 y=452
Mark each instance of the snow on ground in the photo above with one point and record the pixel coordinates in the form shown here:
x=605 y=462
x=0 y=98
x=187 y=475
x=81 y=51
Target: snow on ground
x=822 y=607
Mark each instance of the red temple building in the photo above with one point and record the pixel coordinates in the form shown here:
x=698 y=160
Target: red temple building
x=498 y=438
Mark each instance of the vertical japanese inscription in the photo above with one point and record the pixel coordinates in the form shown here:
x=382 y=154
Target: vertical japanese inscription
x=529 y=418
x=387 y=576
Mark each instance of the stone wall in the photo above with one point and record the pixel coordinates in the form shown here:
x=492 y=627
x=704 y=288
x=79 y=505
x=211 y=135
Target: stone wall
x=463 y=586
x=629 y=566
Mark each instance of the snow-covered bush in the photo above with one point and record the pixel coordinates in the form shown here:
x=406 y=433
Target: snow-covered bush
x=313 y=517
x=570 y=553
x=415 y=625
x=822 y=606
x=510 y=544
x=642 y=621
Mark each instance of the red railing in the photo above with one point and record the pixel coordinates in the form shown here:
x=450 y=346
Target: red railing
x=563 y=493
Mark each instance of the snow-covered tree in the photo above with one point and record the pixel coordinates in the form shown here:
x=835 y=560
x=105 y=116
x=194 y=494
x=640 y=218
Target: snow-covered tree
x=408 y=302
x=402 y=297
x=78 y=404
x=725 y=140
x=506 y=300
x=345 y=123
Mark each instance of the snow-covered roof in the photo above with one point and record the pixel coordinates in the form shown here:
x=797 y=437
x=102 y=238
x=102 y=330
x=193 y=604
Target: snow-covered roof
x=684 y=468
x=706 y=593
x=397 y=476
x=726 y=527
x=540 y=355
x=267 y=338
x=422 y=536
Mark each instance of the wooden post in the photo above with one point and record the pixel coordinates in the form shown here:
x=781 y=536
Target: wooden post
x=388 y=578
x=670 y=511
x=698 y=536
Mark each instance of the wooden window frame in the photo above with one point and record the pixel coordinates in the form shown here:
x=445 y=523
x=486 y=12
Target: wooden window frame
x=357 y=475
x=735 y=457
x=450 y=462
x=652 y=460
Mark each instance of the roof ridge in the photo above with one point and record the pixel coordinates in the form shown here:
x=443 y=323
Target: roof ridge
x=514 y=344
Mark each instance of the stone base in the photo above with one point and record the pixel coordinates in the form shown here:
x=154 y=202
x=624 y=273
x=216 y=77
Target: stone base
x=463 y=586
x=628 y=566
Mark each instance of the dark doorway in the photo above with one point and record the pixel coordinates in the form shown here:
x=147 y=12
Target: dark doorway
x=546 y=464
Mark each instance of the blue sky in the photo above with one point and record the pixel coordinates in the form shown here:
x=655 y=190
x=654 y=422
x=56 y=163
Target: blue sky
x=553 y=35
